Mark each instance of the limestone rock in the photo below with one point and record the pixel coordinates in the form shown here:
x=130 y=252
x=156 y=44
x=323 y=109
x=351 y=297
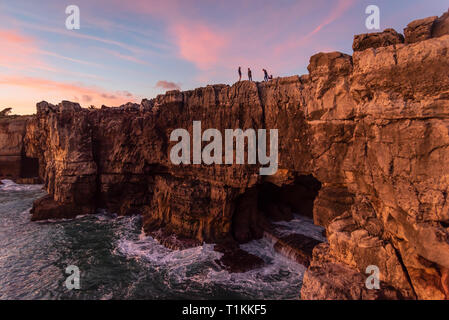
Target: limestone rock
x=419 y=30
x=13 y=163
x=67 y=106
x=237 y=260
x=376 y=40
x=328 y=279
x=441 y=26
x=297 y=246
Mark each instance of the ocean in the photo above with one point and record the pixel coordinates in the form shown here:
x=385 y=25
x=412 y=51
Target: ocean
x=117 y=261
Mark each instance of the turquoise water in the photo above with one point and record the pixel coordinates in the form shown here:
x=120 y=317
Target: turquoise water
x=116 y=261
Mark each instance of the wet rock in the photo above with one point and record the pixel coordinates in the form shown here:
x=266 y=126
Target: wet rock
x=298 y=247
x=173 y=241
x=47 y=208
x=35 y=180
x=237 y=260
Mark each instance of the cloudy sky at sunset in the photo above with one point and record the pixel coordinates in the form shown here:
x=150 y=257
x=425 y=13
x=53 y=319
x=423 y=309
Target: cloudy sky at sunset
x=134 y=49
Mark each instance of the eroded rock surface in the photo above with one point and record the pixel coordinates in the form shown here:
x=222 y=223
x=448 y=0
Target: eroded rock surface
x=376 y=40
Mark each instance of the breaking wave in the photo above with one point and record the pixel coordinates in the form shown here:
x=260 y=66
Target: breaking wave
x=117 y=261
x=8 y=185
x=196 y=269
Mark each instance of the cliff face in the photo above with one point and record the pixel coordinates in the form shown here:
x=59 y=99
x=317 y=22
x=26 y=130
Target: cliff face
x=13 y=163
x=363 y=149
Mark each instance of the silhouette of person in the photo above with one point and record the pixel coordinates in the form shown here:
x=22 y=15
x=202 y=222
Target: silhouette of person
x=240 y=74
x=270 y=77
x=265 y=75
x=250 y=75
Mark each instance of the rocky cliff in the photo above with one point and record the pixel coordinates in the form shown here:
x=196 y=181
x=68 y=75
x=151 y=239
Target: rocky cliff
x=363 y=149
x=13 y=162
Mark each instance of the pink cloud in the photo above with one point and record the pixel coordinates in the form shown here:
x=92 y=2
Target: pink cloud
x=262 y=37
x=336 y=13
x=18 y=51
x=196 y=40
x=69 y=91
x=64 y=32
x=295 y=42
x=278 y=36
x=13 y=37
x=167 y=85
x=127 y=57
x=256 y=34
x=199 y=44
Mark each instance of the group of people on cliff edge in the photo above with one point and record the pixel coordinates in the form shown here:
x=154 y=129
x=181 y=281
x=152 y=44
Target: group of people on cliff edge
x=266 y=77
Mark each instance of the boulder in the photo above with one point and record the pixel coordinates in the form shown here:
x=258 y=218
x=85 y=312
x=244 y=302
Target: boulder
x=419 y=30
x=236 y=260
x=376 y=40
x=67 y=106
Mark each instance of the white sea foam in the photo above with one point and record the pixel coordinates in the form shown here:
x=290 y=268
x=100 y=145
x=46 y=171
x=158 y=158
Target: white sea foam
x=302 y=225
x=278 y=278
x=8 y=185
x=99 y=216
x=195 y=269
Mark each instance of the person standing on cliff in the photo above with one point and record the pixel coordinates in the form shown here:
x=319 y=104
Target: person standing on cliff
x=265 y=75
x=240 y=74
x=250 y=75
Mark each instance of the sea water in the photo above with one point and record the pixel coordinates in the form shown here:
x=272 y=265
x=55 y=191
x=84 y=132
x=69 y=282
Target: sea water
x=117 y=261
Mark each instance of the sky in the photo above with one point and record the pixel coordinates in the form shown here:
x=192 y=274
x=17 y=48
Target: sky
x=127 y=50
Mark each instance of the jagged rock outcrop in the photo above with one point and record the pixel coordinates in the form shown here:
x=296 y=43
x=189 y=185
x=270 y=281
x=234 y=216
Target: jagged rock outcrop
x=376 y=40
x=396 y=171
x=441 y=26
x=365 y=138
x=419 y=30
x=427 y=28
x=329 y=279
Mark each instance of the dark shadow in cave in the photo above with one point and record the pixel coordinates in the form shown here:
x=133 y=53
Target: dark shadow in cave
x=29 y=167
x=267 y=202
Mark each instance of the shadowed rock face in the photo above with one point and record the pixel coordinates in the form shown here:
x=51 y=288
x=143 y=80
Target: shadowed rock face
x=11 y=136
x=13 y=163
x=372 y=129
